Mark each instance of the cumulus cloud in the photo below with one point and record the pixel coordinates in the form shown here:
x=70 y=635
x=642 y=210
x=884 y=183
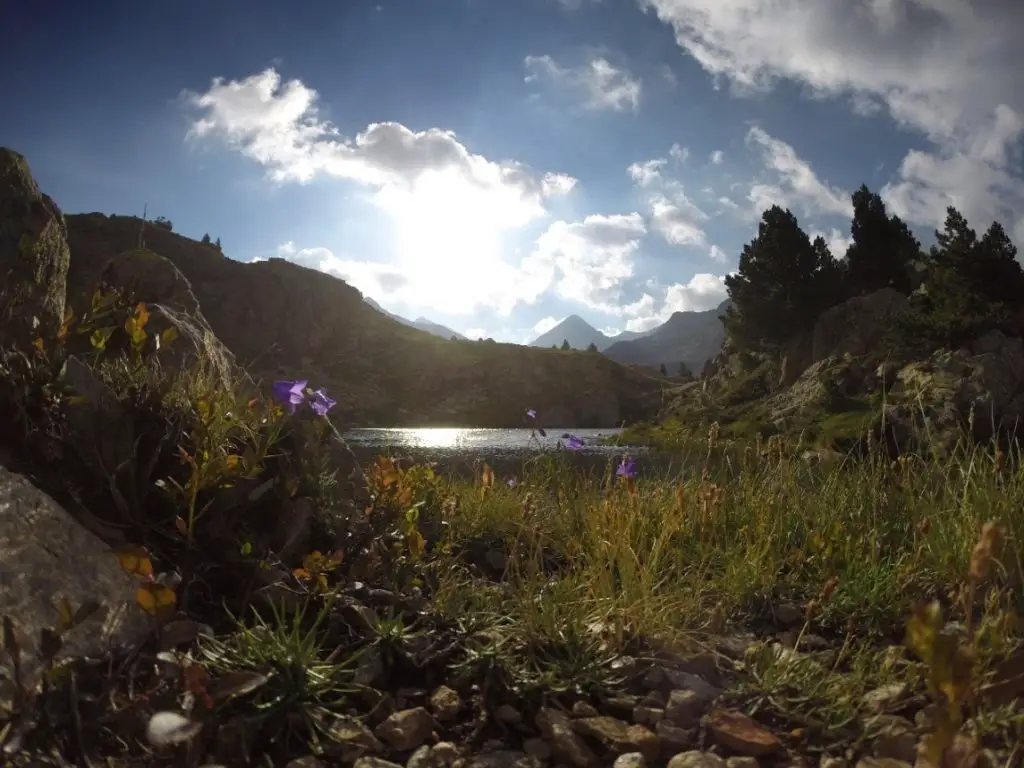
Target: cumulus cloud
x=678 y=153
x=717 y=254
x=587 y=261
x=716 y=157
x=673 y=214
x=702 y=292
x=950 y=69
x=838 y=242
x=604 y=85
x=545 y=324
x=647 y=173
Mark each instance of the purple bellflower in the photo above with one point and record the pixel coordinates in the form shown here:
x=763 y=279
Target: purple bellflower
x=291 y=393
x=627 y=468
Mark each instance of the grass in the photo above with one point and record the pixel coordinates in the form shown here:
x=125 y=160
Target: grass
x=567 y=587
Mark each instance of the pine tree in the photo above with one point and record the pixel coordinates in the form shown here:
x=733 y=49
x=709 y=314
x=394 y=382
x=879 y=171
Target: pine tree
x=565 y=344
x=882 y=249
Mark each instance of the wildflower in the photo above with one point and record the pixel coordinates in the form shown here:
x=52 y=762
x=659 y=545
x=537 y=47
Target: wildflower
x=573 y=443
x=321 y=403
x=512 y=482
x=627 y=468
x=291 y=393
x=531 y=413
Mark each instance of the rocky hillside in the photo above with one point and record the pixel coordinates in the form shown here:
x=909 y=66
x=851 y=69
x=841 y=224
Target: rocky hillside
x=283 y=320
x=921 y=350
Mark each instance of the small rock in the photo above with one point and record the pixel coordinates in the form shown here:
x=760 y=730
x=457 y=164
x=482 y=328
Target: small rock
x=619 y=706
x=444 y=753
x=566 y=745
x=537 y=748
x=895 y=738
x=630 y=760
x=508 y=714
x=304 y=762
x=789 y=614
x=446 y=703
x=420 y=758
x=374 y=762
x=655 y=699
x=735 y=646
x=647 y=715
x=742 y=762
x=674 y=738
x=884 y=697
x=351 y=738
x=370 y=668
x=881 y=762
x=618 y=736
x=684 y=708
x=834 y=762
x=583 y=709
x=741 y=734
x=705 y=691
x=406 y=729
x=654 y=679
x=696 y=759
x=505 y=758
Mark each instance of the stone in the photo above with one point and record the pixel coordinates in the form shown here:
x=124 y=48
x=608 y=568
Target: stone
x=618 y=736
x=406 y=729
x=374 y=762
x=444 y=753
x=350 y=738
x=647 y=715
x=567 y=746
x=34 y=255
x=446 y=703
x=47 y=556
x=741 y=734
x=630 y=760
x=420 y=758
x=508 y=714
x=684 y=708
x=673 y=737
x=742 y=762
x=102 y=431
x=894 y=737
x=696 y=759
x=834 y=762
x=881 y=762
x=705 y=691
x=584 y=709
x=304 y=762
x=505 y=758
x=537 y=748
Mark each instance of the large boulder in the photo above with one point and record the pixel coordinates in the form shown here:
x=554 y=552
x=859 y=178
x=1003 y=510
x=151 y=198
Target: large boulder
x=34 y=253
x=857 y=325
x=46 y=557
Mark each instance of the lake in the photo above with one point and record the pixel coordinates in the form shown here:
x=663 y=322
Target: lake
x=455 y=448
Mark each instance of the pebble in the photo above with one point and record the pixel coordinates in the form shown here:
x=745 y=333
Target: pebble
x=567 y=746
x=696 y=759
x=446 y=703
x=684 y=708
x=630 y=760
x=406 y=729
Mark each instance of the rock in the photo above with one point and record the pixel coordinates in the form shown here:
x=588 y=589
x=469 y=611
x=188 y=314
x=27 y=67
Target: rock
x=741 y=734
x=630 y=760
x=46 y=556
x=508 y=714
x=103 y=432
x=673 y=737
x=742 y=762
x=351 y=738
x=446 y=703
x=857 y=325
x=647 y=715
x=505 y=758
x=884 y=697
x=444 y=753
x=583 y=709
x=406 y=729
x=881 y=762
x=704 y=690
x=537 y=748
x=34 y=255
x=374 y=762
x=696 y=759
x=684 y=708
x=834 y=762
x=618 y=736
x=894 y=738
x=566 y=745
x=789 y=614
x=304 y=762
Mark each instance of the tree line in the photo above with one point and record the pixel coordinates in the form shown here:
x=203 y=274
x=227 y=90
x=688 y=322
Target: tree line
x=962 y=285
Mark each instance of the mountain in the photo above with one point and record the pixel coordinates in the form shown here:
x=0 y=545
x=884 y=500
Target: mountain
x=420 y=322
x=580 y=334
x=692 y=338
x=283 y=321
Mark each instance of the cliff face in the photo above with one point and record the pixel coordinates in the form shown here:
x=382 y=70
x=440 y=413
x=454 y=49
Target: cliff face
x=283 y=320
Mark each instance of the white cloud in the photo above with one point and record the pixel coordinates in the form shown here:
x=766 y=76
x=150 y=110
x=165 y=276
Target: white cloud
x=587 y=261
x=796 y=184
x=704 y=291
x=676 y=219
x=545 y=324
x=678 y=153
x=605 y=85
x=716 y=157
x=646 y=173
x=718 y=254
x=838 y=242
x=669 y=76
x=950 y=69
x=450 y=207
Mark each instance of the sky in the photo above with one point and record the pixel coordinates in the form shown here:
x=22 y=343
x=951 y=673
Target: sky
x=496 y=165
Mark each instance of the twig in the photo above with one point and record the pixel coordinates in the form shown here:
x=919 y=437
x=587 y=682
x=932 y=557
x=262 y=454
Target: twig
x=76 y=718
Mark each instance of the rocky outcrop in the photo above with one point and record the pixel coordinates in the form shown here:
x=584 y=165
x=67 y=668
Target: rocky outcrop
x=283 y=320
x=33 y=252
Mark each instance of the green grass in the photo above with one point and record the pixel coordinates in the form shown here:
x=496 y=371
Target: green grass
x=528 y=596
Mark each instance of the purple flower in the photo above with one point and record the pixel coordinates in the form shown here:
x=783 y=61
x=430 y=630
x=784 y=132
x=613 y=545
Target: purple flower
x=291 y=393
x=531 y=413
x=512 y=482
x=574 y=443
x=321 y=403
x=627 y=468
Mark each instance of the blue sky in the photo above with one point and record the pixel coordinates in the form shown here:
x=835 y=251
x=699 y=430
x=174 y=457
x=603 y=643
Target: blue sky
x=497 y=165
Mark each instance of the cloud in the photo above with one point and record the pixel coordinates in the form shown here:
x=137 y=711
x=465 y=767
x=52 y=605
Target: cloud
x=545 y=324
x=704 y=291
x=673 y=214
x=587 y=261
x=647 y=173
x=838 y=242
x=678 y=153
x=450 y=206
x=949 y=69
x=718 y=254
x=604 y=85
x=795 y=183
x=716 y=157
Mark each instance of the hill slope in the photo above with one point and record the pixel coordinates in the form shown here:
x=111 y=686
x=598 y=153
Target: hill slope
x=284 y=320
x=692 y=338
x=420 y=322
